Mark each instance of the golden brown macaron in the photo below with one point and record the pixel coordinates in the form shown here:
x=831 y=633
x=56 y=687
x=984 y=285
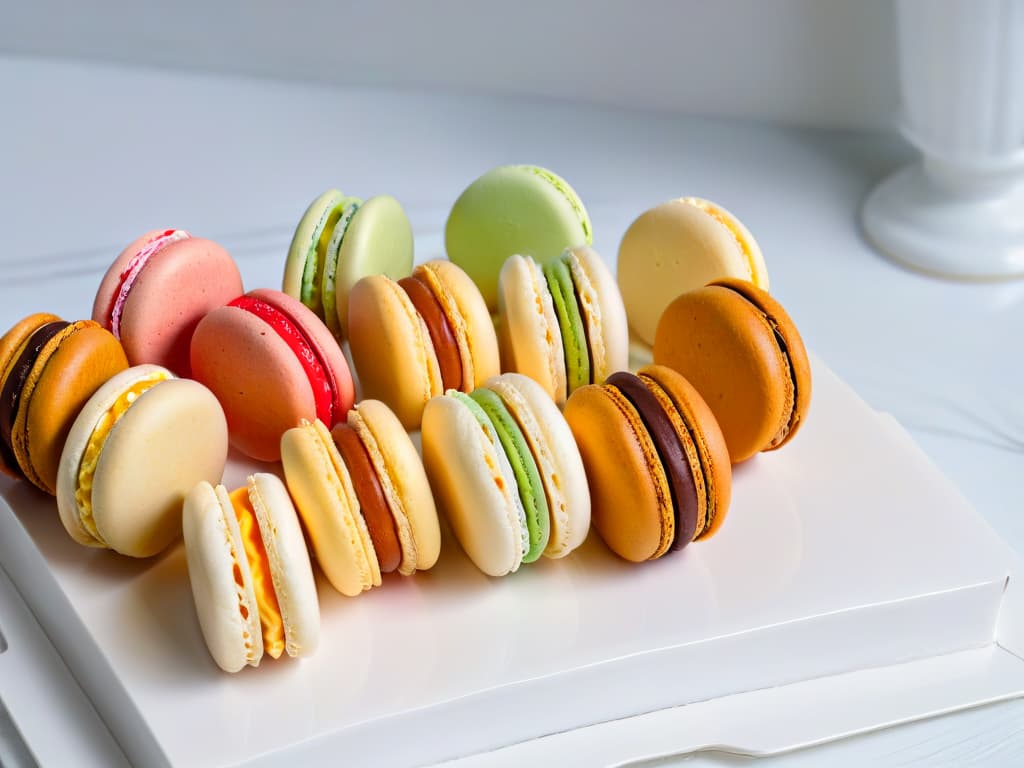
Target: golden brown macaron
x=743 y=353
x=49 y=368
x=656 y=461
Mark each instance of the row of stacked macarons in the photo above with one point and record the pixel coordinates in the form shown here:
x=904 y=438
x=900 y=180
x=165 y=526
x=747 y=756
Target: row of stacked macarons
x=650 y=441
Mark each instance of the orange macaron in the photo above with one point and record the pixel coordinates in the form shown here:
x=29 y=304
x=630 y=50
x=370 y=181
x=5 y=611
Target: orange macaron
x=655 y=459
x=49 y=368
x=743 y=353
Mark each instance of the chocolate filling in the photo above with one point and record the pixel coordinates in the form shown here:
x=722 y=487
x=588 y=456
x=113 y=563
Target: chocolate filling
x=670 y=451
x=10 y=398
x=441 y=334
x=372 y=501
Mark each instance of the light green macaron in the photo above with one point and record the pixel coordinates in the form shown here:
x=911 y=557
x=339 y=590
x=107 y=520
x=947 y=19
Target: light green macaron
x=513 y=209
x=340 y=240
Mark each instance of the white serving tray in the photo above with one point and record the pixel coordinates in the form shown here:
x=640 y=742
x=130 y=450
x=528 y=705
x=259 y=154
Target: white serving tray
x=847 y=550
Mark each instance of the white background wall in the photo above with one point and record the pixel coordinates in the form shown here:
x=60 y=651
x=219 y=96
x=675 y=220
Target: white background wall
x=827 y=62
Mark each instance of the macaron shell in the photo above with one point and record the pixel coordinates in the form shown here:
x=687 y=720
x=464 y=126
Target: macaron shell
x=302 y=240
x=712 y=450
x=290 y=569
x=726 y=348
x=752 y=251
x=378 y=242
x=796 y=353
x=603 y=312
x=473 y=485
x=322 y=489
x=391 y=349
x=173 y=292
x=558 y=459
x=213 y=550
x=510 y=209
x=77 y=362
x=173 y=436
x=401 y=472
x=672 y=248
x=630 y=498
x=531 y=340
x=469 y=318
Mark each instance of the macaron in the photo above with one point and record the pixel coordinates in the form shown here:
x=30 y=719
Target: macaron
x=522 y=209
x=507 y=473
x=562 y=324
x=271 y=363
x=743 y=353
x=363 y=496
x=250 y=572
x=415 y=338
x=656 y=460
x=679 y=246
x=157 y=290
x=49 y=368
x=140 y=443
x=339 y=241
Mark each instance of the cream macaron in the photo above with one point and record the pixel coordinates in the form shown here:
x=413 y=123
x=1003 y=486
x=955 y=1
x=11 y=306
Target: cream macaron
x=140 y=443
x=250 y=572
x=679 y=246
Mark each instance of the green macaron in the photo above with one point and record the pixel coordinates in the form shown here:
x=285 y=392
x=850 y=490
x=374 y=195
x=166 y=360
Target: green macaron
x=340 y=240
x=524 y=467
x=570 y=322
x=513 y=209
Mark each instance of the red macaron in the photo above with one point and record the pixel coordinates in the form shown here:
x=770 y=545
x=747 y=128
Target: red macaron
x=271 y=362
x=158 y=289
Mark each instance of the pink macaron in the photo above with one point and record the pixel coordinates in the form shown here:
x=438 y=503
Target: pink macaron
x=271 y=362
x=158 y=289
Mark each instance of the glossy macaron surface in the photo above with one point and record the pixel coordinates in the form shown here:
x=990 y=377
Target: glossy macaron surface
x=271 y=363
x=49 y=368
x=513 y=209
x=157 y=290
x=743 y=353
x=678 y=246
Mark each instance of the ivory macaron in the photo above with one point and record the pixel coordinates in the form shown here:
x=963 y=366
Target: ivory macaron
x=679 y=246
x=250 y=572
x=415 y=338
x=363 y=496
x=507 y=473
x=49 y=368
x=741 y=350
x=656 y=461
x=562 y=324
x=139 y=444
x=157 y=290
x=340 y=240
x=271 y=363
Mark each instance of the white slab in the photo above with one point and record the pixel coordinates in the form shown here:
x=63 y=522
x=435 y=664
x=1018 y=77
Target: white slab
x=847 y=550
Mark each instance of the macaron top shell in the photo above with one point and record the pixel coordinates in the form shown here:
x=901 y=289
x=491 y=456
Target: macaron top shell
x=161 y=443
x=177 y=286
x=730 y=350
x=679 y=246
x=513 y=209
x=263 y=385
x=405 y=482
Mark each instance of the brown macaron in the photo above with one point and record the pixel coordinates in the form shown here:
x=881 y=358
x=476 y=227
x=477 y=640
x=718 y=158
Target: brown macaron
x=743 y=353
x=49 y=368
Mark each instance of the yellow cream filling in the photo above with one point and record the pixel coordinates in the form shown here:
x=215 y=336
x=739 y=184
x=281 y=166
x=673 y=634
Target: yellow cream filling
x=259 y=566
x=93 y=449
x=728 y=223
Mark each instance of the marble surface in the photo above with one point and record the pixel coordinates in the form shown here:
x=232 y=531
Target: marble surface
x=94 y=155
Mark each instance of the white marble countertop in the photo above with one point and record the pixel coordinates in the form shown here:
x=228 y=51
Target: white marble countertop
x=94 y=155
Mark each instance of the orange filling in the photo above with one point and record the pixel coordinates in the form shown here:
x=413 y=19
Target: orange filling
x=262 y=583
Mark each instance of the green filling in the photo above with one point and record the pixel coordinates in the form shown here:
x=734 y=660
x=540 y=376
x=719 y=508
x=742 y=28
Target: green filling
x=524 y=466
x=313 y=270
x=488 y=427
x=329 y=291
x=569 y=194
x=574 y=338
